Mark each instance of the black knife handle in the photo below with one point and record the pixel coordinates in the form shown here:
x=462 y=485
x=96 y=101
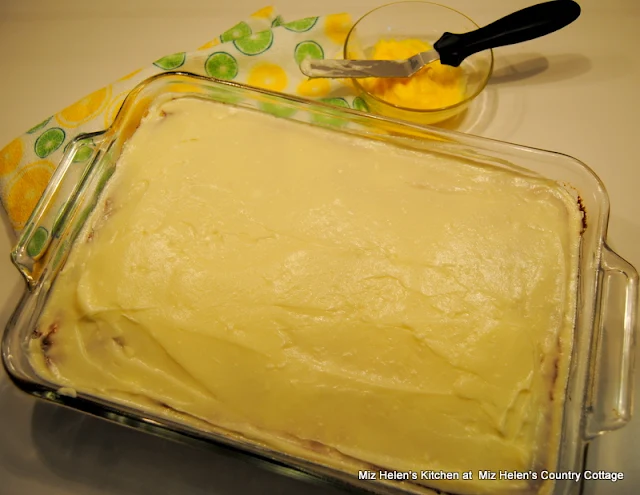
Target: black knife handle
x=523 y=25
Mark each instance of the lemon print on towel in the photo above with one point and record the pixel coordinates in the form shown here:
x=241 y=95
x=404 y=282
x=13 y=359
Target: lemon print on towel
x=86 y=109
x=49 y=141
x=10 y=156
x=238 y=31
x=255 y=44
x=41 y=125
x=210 y=44
x=263 y=13
x=337 y=26
x=25 y=191
x=130 y=75
x=314 y=88
x=171 y=62
x=301 y=25
x=268 y=76
x=221 y=65
x=308 y=50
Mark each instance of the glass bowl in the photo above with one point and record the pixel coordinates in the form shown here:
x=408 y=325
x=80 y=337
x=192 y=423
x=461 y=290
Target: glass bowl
x=427 y=22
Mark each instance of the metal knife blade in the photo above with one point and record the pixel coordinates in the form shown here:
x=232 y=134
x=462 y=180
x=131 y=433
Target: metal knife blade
x=367 y=68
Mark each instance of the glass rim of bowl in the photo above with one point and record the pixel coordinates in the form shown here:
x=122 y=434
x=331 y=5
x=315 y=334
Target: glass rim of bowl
x=465 y=101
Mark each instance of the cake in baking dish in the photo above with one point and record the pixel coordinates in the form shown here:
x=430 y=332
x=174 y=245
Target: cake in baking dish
x=339 y=299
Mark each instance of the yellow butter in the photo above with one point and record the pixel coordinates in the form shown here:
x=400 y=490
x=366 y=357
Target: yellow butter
x=435 y=86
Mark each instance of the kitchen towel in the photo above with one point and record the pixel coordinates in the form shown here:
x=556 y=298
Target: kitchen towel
x=263 y=50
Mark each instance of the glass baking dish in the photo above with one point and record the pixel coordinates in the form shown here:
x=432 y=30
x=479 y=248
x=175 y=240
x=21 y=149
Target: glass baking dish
x=599 y=390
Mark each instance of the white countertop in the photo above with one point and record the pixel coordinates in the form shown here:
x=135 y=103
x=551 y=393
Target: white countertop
x=576 y=92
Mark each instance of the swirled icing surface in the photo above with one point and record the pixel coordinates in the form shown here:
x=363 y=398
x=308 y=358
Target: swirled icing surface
x=328 y=296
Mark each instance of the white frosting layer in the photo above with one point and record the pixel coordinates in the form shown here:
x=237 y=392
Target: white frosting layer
x=332 y=297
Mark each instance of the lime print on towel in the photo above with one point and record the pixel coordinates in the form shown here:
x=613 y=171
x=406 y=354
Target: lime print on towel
x=262 y=51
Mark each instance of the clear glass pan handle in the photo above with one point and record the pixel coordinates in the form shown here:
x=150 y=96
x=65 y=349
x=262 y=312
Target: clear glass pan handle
x=611 y=401
x=55 y=207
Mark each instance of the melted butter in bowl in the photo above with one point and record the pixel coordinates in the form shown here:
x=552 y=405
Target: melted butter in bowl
x=399 y=30
x=334 y=298
x=436 y=86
